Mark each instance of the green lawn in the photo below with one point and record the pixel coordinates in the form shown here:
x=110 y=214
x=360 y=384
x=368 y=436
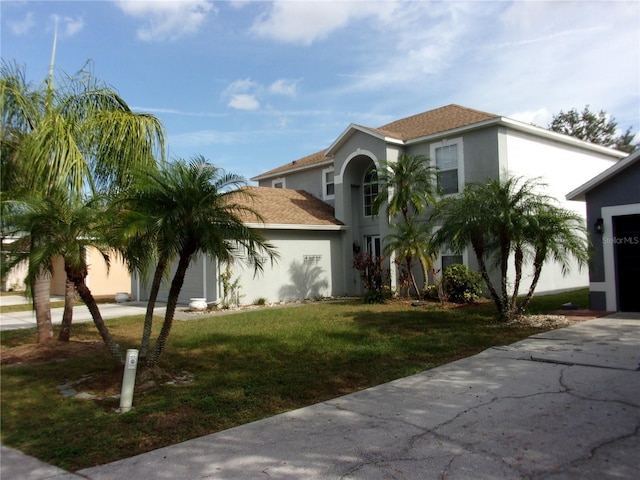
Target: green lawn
x=243 y=367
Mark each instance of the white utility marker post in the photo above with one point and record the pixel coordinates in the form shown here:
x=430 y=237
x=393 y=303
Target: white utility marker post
x=128 y=380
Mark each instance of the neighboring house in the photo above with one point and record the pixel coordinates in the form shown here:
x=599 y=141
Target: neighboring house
x=465 y=144
x=13 y=280
x=613 y=219
x=102 y=281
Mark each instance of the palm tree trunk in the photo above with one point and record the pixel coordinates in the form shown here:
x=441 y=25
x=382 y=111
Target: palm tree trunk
x=148 y=318
x=504 y=268
x=90 y=302
x=67 y=314
x=537 y=270
x=518 y=259
x=41 y=288
x=412 y=277
x=172 y=302
x=425 y=271
x=502 y=310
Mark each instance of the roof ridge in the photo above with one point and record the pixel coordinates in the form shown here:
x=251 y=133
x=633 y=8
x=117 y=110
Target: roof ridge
x=430 y=122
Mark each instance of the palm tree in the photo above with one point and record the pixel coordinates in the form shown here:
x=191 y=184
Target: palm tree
x=503 y=219
x=64 y=224
x=555 y=234
x=186 y=209
x=80 y=137
x=407 y=186
x=411 y=240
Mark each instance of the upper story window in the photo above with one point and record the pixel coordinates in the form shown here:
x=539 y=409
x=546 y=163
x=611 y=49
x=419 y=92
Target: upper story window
x=328 y=186
x=370 y=190
x=278 y=183
x=449 y=164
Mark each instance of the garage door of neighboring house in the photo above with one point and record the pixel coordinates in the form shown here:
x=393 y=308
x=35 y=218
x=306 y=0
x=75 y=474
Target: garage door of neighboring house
x=626 y=231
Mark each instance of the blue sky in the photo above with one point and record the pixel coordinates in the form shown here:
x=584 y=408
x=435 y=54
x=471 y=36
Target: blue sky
x=253 y=85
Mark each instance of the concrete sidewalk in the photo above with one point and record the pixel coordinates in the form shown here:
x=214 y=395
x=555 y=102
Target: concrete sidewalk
x=564 y=404
x=27 y=319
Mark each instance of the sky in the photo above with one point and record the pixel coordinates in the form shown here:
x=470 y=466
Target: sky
x=252 y=85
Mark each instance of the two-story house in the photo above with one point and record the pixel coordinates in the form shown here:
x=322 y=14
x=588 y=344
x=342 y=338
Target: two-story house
x=465 y=145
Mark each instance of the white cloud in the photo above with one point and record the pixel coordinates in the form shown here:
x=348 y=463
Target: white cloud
x=173 y=111
x=72 y=25
x=241 y=86
x=245 y=94
x=167 y=19
x=307 y=22
x=69 y=25
x=244 y=101
x=22 y=27
x=424 y=41
x=556 y=56
x=202 y=138
x=285 y=87
x=541 y=117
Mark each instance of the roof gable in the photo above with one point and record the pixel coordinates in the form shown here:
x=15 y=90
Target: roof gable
x=432 y=122
x=280 y=207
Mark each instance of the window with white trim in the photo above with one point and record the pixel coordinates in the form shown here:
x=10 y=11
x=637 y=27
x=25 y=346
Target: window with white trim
x=279 y=183
x=448 y=159
x=369 y=190
x=328 y=186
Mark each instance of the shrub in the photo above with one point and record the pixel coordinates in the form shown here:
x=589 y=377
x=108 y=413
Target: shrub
x=374 y=277
x=378 y=295
x=461 y=285
x=260 y=301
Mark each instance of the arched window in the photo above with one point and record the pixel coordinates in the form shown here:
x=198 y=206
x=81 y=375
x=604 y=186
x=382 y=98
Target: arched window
x=370 y=190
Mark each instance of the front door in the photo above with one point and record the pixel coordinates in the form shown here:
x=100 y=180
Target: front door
x=626 y=245
x=372 y=245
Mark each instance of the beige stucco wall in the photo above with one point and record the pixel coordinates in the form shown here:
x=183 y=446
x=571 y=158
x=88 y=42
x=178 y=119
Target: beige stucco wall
x=99 y=281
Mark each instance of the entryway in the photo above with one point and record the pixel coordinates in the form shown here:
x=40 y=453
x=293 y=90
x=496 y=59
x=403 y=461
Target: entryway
x=626 y=246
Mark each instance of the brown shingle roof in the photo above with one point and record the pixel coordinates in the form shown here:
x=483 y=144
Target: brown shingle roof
x=282 y=206
x=434 y=121
x=314 y=158
x=423 y=124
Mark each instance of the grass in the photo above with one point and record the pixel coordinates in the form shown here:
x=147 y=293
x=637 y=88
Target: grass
x=243 y=367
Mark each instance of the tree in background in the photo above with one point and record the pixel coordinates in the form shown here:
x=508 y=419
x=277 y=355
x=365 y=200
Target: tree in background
x=507 y=220
x=593 y=127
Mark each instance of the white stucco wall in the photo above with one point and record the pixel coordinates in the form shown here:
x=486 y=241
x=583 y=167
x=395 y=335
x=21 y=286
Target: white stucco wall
x=309 y=266
x=563 y=168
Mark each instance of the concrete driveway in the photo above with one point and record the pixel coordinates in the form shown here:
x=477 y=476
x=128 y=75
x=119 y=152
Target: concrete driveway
x=27 y=319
